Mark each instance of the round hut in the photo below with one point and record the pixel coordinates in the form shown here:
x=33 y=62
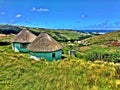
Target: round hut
x=44 y=46
x=21 y=40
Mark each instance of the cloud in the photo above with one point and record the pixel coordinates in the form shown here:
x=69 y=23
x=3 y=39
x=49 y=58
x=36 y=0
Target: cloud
x=33 y=9
x=40 y=9
x=105 y=25
x=82 y=16
x=18 y=15
x=11 y=20
x=3 y=13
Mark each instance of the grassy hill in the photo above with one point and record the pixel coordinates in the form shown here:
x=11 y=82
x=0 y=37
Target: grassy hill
x=105 y=37
x=18 y=71
x=103 y=47
x=8 y=29
x=60 y=35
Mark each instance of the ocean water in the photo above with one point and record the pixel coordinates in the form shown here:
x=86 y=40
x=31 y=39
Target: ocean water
x=96 y=31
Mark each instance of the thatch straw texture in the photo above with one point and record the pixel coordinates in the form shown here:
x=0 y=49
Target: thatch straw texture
x=24 y=36
x=44 y=43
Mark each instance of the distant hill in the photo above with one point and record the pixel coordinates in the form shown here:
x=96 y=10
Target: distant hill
x=58 y=34
x=8 y=29
x=111 y=36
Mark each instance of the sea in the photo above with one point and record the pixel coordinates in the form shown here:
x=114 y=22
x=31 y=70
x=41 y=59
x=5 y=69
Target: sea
x=96 y=31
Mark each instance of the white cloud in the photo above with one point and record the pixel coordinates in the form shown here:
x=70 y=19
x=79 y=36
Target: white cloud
x=3 y=13
x=18 y=15
x=33 y=9
x=82 y=16
x=40 y=9
x=105 y=25
x=11 y=20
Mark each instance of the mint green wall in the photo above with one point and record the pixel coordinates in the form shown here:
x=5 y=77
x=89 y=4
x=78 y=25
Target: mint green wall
x=18 y=47
x=46 y=55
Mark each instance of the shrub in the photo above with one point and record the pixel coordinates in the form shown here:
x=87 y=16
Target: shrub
x=78 y=55
x=96 y=55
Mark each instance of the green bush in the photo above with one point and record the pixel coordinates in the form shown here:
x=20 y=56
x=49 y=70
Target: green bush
x=78 y=55
x=91 y=56
x=96 y=55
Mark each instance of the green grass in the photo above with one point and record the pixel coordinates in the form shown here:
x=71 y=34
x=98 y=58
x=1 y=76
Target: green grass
x=100 y=52
x=105 y=37
x=19 y=72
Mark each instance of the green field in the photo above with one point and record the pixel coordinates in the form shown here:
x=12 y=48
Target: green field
x=19 y=72
x=105 y=37
x=92 y=68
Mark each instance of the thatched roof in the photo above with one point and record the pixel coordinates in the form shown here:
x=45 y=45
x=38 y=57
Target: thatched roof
x=44 y=43
x=24 y=36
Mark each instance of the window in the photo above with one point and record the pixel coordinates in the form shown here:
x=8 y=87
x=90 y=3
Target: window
x=53 y=55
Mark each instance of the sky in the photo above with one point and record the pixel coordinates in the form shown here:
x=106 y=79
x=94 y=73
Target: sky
x=62 y=14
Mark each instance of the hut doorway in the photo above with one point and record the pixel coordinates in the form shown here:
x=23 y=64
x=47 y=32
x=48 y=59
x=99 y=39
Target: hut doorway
x=53 y=55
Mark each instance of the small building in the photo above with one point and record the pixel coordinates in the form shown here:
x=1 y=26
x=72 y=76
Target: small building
x=44 y=46
x=21 y=40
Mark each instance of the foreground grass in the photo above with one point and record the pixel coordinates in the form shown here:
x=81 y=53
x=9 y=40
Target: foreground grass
x=18 y=72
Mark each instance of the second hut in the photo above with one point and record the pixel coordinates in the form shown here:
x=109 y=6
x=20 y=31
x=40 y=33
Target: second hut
x=44 y=46
x=21 y=40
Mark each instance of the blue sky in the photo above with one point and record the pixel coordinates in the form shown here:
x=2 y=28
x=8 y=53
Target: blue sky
x=61 y=14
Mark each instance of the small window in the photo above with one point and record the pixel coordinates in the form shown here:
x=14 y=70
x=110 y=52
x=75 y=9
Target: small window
x=53 y=55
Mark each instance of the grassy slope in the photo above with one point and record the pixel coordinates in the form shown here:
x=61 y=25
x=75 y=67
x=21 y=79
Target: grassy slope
x=63 y=35
x=17 y=72
x=106 y=37
x=100 y=49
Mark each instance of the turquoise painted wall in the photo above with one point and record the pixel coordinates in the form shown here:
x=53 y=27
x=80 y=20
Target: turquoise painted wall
x=18 y=47
x=47 y=55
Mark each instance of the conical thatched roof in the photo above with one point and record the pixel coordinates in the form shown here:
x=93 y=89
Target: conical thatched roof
x=44 y=43
x=24 y=36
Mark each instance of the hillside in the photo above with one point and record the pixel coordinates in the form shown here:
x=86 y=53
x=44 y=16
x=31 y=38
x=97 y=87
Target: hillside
x=91 y=69
x=8 y=29
x=103 y=47
x=18 y=71
x=112 y=36
x=60 y=35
